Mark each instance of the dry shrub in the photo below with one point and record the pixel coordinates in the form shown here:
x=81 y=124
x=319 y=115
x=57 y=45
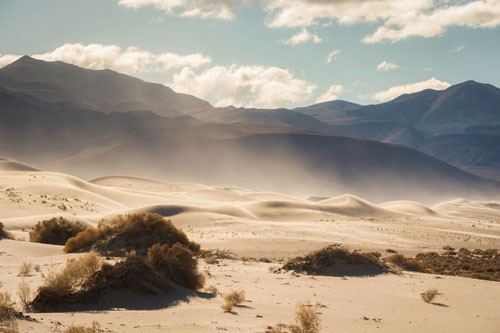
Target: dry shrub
x=95 y=328
x=409 y=264
x=24 y=294
x=7 y=309
x=306 y=319
x=55 y=231
x=317 y=261
x=233 y=298
x=4 y=233
x=429 y=295
x=135 y=232
x=177 y=263
x=70 y=280
x=25 y=269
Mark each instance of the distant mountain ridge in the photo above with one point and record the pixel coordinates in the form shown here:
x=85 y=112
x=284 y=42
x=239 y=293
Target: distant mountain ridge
x=60 y=117
x=100 y=90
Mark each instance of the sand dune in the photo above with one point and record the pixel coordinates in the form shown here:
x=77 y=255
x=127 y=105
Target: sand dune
x=409 y=207
x=351 y=205
x=8 y=165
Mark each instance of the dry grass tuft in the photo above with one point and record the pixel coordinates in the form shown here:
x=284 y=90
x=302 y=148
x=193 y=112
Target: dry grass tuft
x=25 y=269
x=231 y=299
x=25 y=294
x=55 y=231
x=95 y=328
x=123 y=234
x=318 y=261
x=306 y=319
x=4 y=233
x=7 y=310
x=429 y=295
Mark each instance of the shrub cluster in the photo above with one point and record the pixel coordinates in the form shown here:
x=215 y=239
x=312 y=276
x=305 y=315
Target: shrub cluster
x=55 y=231
x=151 y=269
x=130 y=233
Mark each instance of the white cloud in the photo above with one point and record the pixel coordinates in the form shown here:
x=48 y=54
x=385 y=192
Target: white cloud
x=249 y=86
x=205 y=9
x=6 y=59
x=332 y=55
x=409 y=88
x=130 y=60
x=331 y=94
x=386 y=66
x=396 y=20
x=303 y=36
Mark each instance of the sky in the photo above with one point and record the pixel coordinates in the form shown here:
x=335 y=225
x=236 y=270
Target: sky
x=266 y=53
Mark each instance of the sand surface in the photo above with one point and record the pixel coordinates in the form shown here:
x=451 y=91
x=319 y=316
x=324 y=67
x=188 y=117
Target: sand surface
x=261 y=225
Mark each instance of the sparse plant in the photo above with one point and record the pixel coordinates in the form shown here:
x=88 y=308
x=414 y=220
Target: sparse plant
x=94 y=328
x=7 y=309
x=25 y=269
x=233 y=298
x=55 y=231
x=306 y=319
x=24 y=294
x=4 y=233
x=429 y=295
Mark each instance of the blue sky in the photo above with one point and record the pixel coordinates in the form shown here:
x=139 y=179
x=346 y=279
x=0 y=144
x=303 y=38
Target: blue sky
x=266 y=53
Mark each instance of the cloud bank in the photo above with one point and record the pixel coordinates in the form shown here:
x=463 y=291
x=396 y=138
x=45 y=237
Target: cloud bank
x=249 y=86
x=303 y=36
x=331 y=94
x=409 y=88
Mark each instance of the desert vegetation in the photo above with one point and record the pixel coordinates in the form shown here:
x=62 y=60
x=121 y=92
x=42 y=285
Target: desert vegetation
x=158 y=268
x=306 y=320
x=478 y=264
x=232 y=299
x=130 y=233
x=55 y=231
x=318 y=262
x=8 y=313
x=4 y=233
x=94 y=328
x=429 y=295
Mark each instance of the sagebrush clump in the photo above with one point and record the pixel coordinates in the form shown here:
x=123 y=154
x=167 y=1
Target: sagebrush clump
x=55 y=231
x=124 y=234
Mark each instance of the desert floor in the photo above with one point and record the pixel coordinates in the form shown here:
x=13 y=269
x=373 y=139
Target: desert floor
x=258 y=224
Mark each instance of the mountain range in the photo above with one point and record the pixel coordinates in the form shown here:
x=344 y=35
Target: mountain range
x=94 y=123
